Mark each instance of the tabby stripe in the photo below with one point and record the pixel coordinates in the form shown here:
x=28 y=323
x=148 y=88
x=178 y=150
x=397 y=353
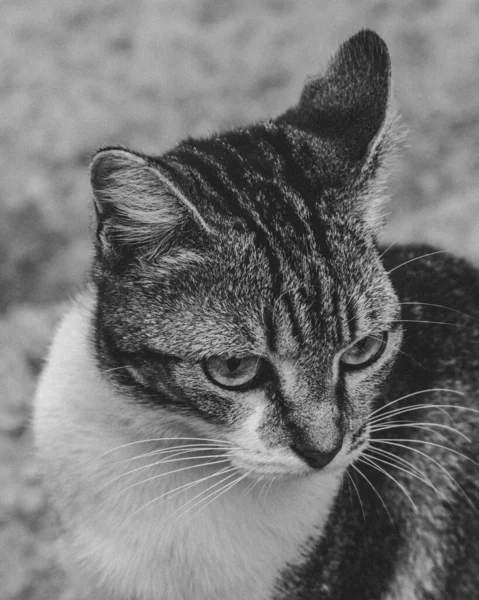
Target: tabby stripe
x=352 y=319
x=272 y=233
x=358 y=437
x=290 y=209
x=280 y=141
x=250 y=179
x=276 y=187
x=263 y=185
x=223 y=195
x=283 y=146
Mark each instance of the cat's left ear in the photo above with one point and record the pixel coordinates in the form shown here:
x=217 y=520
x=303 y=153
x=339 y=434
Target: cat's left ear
x=139 y=210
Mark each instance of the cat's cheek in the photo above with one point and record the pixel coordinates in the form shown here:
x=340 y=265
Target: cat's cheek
x=360 y=394
x=253 y=431
x=362 y=389
x=260 y=445
x=216 y=408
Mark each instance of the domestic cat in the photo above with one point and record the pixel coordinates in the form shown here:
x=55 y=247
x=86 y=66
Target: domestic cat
x=251 y=399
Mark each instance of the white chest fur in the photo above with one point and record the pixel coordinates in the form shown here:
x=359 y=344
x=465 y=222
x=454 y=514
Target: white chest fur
x=234 y=548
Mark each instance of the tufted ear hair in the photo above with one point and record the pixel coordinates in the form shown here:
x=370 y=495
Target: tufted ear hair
x=138 y=209
x=347 y=106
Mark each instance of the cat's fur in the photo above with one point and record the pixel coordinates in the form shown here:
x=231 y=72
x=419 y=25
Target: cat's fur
x=262 y=242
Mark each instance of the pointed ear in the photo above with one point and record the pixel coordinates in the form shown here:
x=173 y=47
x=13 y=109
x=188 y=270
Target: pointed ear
x=348 y=105
x=137 y=208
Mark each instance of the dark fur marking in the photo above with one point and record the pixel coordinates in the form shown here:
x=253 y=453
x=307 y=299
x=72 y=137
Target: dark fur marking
x=225 y=198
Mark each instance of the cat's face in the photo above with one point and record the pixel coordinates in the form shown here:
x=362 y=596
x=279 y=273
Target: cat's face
x=240 y=290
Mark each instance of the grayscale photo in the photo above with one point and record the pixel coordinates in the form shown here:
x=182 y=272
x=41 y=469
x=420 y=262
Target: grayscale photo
x=239 y=294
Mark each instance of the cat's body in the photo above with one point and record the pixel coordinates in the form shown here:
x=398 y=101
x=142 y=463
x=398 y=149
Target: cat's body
x=241 y=328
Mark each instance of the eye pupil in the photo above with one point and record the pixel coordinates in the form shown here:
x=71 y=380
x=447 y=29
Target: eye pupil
x=362 y=345
x=233 y=364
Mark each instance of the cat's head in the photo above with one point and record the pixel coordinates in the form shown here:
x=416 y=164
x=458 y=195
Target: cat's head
x=240 y=288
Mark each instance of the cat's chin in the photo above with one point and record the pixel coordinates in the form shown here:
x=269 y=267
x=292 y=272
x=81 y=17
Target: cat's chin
x=273 y=470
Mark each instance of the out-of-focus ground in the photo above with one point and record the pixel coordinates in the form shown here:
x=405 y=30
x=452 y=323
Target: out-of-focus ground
x=78 y=75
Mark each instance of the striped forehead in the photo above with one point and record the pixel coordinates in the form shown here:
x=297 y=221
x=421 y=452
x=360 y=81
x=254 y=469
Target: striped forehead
x=258 y=180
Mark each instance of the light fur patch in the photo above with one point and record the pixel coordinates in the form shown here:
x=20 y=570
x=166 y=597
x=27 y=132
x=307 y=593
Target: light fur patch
x=123 y=541
x=415 y=575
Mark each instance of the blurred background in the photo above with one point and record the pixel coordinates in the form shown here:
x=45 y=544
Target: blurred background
x=145 y=73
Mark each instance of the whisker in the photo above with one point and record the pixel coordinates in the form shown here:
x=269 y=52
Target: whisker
x=195 y=482
x=441 y=436
x=357 y=491
x=421 y=426
x=415 y=394
x=218 y=493
x=441 y=306
x=416 y=258
x=113 y=369
x=158 y=475
x=174 y=492
x=348 y=479
x=269 y=487
x=400 y=352
x=264 y=483
x=186 y=447
x=419 y=476
x=182 y=514
x=387 y=249
x=375 y=491
x=432 y=323
x=402 y=460
x=399 y=459
x=152 y=440
x=428 y=443
x=166 y=460
x=405 y=409
x=372 y=463
x=438 y=464
x=249 y=488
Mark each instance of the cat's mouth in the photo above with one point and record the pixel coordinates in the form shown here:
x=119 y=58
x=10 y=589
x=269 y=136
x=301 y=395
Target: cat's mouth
x=297 y=462
x=289 y=464
x=265 y=470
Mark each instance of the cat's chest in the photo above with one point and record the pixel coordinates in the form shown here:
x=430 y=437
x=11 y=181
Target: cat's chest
x=234 y=547
x=130 y=542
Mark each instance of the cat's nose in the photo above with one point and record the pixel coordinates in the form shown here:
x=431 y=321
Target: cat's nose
x=315 y=458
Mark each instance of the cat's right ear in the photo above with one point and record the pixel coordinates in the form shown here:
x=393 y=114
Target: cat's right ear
x=348 y=105
x=139 y=211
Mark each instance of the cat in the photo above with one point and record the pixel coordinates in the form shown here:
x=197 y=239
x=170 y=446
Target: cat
x=251 y=399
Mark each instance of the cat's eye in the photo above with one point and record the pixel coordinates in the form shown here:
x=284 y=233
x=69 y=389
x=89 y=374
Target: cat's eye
x=364 y=352
x=234 y=373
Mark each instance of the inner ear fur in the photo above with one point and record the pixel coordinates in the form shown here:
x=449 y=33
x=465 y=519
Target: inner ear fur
x=137 y=207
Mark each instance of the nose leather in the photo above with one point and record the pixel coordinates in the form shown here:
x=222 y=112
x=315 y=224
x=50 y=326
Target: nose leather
x=315 y=458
